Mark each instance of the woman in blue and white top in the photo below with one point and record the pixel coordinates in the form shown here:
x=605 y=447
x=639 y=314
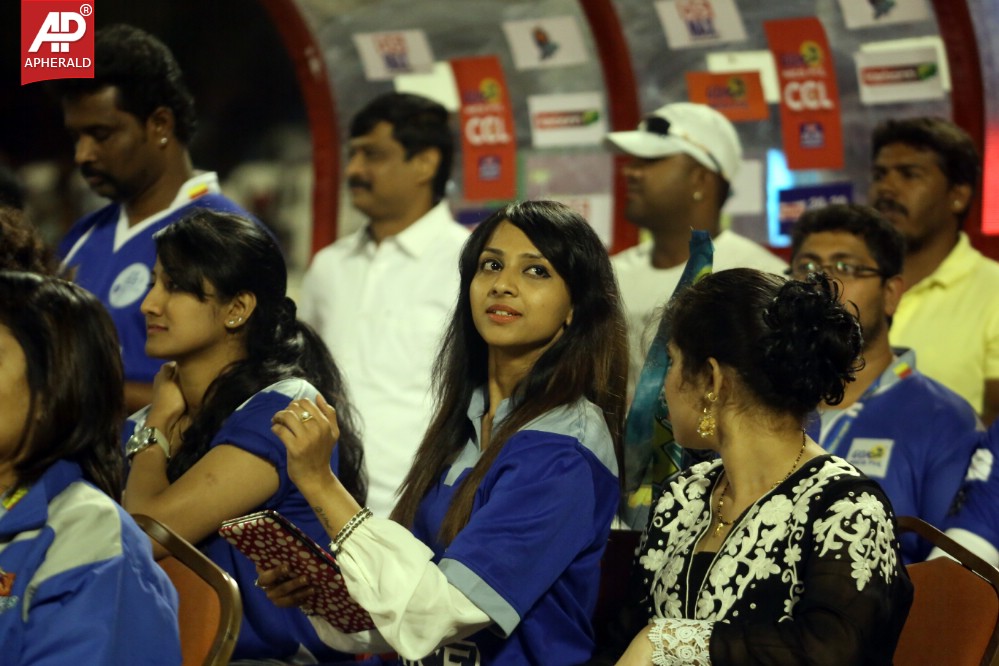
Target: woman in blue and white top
x=78 y=583
x=515 y=485
x=217 y=310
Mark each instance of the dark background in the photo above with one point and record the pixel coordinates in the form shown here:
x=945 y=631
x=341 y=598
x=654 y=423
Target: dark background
x=232 y=57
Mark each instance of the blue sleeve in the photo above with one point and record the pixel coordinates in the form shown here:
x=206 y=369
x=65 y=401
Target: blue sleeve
x=952 y=441
x=979 y=508
x=113 y=612
x=249 y=428
x=546 y=500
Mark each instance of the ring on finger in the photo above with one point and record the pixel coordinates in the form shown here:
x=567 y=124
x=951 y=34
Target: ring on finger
x=305 y=416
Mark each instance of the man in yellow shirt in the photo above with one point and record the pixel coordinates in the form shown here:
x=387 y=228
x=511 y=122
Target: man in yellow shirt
x=925 y=176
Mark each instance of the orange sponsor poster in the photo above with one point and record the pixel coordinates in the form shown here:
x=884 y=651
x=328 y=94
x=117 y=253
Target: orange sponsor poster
x=488 y=144
x=809 y=105
x=736 y=95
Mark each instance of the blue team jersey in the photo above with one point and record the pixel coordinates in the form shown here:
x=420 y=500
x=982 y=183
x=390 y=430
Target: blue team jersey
x=266 y=631
x=911 y=435
x=78 y=583
x=978 y=512
x=530 y=554
x=119 y=275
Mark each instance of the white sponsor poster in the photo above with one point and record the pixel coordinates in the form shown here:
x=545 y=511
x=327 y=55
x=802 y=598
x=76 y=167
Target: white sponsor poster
x=385 y=55
x=867 y=13
x=572 y=119
x=890 y=77
x=747 y=190
x=690 y=23
x=552 y=41
x=596 y=208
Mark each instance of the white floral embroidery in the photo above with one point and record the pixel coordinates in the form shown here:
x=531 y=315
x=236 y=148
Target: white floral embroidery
x=681 y=642
x=767 y=542
x=860 y=526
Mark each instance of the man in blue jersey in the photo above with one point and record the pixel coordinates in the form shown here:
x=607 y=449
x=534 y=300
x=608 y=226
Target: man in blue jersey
x=899 y=427
x=131 y=125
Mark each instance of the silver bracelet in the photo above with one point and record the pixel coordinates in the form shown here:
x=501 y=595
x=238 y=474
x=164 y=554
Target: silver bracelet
x=341 y=537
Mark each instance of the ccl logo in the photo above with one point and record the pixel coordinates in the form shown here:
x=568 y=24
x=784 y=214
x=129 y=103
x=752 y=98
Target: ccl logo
x=61 y=28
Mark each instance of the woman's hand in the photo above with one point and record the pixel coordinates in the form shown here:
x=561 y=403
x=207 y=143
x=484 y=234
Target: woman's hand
x=309 y=432
x=168 y=403
x=283 y=590
x=639 y=653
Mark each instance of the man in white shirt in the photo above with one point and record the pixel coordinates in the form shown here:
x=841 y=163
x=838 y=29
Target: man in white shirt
x=684 y=157
x=381 y=297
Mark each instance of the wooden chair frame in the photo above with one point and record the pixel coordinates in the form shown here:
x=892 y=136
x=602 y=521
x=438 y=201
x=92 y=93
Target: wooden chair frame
x=966 y=559
x=230 y=602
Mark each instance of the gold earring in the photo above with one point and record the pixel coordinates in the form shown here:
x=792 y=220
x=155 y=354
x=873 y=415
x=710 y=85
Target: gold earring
x=163 y=141
x=707 y=426
x=698 y=195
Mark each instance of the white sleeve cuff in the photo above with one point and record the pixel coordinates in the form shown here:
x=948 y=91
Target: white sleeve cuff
x=390 y=573
x=678 y=642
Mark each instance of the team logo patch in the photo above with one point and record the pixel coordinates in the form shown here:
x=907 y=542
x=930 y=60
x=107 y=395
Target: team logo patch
x=130 y=285
x=871 y=456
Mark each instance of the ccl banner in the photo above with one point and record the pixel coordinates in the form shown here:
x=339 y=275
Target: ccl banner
x=488 y=146
x=809 y=104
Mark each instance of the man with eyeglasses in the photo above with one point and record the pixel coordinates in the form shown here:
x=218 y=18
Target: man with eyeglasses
x=683 y=159
x=924 y=179
x=910 y=433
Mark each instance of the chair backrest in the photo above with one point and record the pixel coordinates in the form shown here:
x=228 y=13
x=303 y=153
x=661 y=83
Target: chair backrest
x=955 y=608
x=210 y=606
x=615 y=572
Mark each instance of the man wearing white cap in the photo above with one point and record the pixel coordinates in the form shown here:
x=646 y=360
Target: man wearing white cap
x=684 y=157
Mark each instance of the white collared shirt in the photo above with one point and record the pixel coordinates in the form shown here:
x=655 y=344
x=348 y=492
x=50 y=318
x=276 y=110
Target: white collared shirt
x=382 y=308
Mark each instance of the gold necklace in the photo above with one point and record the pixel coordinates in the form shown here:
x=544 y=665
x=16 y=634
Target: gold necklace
x=721 y=496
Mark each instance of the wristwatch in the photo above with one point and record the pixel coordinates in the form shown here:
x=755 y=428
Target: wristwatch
x=143 y=438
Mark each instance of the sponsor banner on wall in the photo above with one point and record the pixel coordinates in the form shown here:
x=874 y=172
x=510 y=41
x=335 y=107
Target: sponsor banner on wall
x=736 y=95
x=552 y=41
x=795 y=201
x=867 y=13
x=691 y=23
x=809 y=106
x=57 y=40
x=567 y=119
x=488 y=144
x=890 y=77
x=388 y=54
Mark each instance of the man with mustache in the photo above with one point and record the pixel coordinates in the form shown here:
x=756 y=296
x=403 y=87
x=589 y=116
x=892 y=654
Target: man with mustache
x=381 y=296
x=131 y=125
x=924 y=178
x=683 y=159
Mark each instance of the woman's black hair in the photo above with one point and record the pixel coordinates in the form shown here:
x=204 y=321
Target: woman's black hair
x=74 y=375
x=235 y=255
x=792 y=344
x=589 y=360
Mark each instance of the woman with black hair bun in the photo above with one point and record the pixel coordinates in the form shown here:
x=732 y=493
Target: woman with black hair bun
x=774 y=552
x=203 y=452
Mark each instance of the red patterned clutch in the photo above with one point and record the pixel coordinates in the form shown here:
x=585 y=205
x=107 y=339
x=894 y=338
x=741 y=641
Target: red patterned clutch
x=271 y=540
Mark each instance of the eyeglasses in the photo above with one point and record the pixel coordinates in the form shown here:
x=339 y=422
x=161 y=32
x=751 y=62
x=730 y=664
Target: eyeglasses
x=841 y=270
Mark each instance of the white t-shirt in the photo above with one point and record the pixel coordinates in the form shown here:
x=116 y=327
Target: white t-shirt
x=382 y=309
x=645 y=289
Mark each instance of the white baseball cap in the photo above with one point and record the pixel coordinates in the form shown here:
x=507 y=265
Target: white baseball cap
x=685 y=127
